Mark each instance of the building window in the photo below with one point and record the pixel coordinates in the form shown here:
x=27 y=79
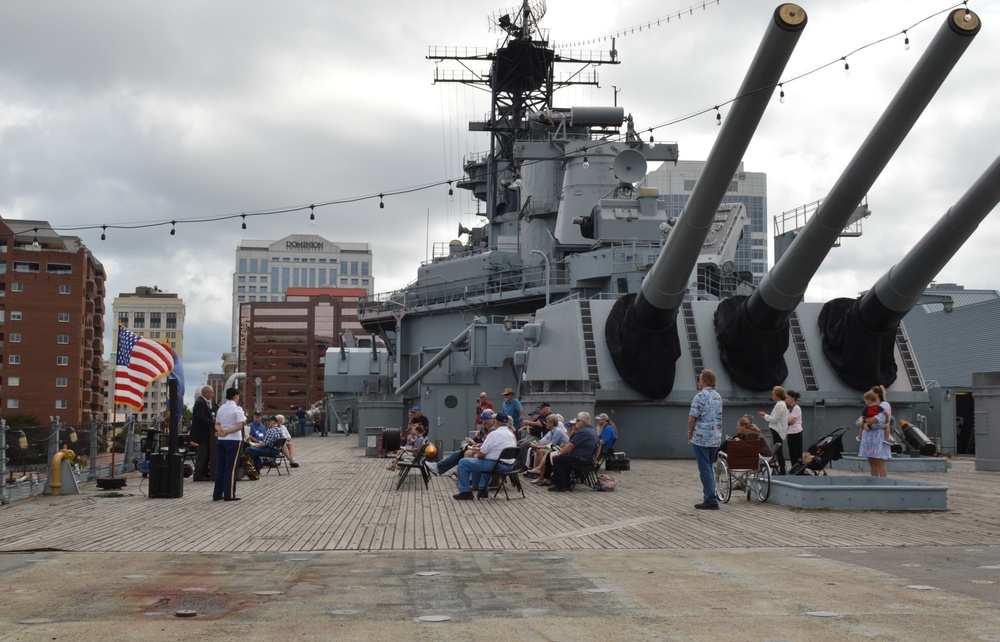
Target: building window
x=62 y=361
x=62 y=339
x=15 y=315
x=13 y=382
x=241 y=288
x=14 y=359
x=241 y=279
x=253 y=266
x=138 y=320
x=64 y=289
x=64 y=317
x=60 y=404
x=354 y=281
x=3 y=267
x=171 y=320
x=16 y=287
x=12 y=403
x=25 y=266
x=62 y=382
x=59 y=268
x=123 y=318
x=15 y=337
x=154 y=319
x=364 y=268
x=243 y=265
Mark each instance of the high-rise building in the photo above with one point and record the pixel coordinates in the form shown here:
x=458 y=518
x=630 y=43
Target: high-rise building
x=676 y=181
x=266 y=269
x=51 y=324
x=156 y=315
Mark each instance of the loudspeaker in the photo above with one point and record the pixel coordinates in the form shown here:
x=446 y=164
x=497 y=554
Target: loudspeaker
x=463 y=230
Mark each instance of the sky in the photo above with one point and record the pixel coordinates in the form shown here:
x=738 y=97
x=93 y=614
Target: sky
x=118 y=113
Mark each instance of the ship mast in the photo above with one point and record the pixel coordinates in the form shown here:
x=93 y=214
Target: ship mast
x=521 y=80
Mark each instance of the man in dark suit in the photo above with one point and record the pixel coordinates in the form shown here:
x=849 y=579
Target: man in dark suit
x=202 y=426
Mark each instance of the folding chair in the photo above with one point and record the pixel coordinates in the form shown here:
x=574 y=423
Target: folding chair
x=586 y=472
x=275 y=461
x=419 y=462
x=508 y=475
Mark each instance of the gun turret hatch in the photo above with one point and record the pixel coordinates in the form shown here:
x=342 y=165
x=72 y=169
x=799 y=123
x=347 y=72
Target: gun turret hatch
x=641 y=331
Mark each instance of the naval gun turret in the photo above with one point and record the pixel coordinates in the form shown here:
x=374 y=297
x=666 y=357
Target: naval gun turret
x=859 y=335
x=753 y=331
x=641 y=330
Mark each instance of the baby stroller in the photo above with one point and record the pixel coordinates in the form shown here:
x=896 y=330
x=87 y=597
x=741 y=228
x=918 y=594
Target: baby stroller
x=820 y=454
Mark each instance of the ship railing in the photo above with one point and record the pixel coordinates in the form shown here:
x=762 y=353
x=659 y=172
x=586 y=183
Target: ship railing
x=495 y=285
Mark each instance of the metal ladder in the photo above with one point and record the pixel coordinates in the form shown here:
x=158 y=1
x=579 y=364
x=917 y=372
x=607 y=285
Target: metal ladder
x=805 y=363
x=909 y=362
x=694 y=346
x=589 y=349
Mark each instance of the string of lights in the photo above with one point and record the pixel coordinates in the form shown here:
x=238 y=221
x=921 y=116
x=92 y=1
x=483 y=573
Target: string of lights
x=648 y=25
x=450 y=182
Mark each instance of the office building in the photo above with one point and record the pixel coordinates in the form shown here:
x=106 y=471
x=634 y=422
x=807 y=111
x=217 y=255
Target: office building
x=675 y=183
x=283 y=344
x=266 y=269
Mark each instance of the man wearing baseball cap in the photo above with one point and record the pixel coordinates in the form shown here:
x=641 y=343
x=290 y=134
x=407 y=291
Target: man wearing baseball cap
x=417 y=418
x=470 y=450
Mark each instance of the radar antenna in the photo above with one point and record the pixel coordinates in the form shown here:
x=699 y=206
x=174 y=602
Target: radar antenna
x=533 y=12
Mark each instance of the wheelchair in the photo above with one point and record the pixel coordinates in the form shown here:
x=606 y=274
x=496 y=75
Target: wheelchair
x=742 y=468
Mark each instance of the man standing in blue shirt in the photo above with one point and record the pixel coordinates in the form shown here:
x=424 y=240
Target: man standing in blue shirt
x=705 y=435
x=512 y=408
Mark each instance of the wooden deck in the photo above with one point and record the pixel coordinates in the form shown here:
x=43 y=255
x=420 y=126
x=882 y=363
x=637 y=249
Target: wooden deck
x=339 y=500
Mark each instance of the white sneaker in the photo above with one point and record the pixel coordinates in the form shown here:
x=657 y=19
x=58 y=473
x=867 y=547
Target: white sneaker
x=433 y=467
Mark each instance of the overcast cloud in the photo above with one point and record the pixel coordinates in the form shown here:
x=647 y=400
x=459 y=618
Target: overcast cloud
x=126 y=112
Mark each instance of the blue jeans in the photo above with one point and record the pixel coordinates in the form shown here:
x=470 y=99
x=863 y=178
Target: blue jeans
x=450 y=461
x=256 y=454
x=706 y=457
x=480 y=469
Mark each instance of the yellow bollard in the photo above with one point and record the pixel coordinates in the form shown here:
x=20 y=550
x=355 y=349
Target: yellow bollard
x=64 y=454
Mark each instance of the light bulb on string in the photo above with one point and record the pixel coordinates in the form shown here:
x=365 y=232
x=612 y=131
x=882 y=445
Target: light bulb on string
x=906 y=42
x=968 y=15
x=104 y=236
x=173 y=228
x=381 y=202
x=22 y=440
x=847 y=67
x=451 y=193
x=244 y=220
x=72 y=435
x=586 y=162
x=718 y=117
x=651 y=136
x=312 y=214
x=781 y=94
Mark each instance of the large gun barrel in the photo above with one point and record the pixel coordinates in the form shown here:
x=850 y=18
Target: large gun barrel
x=753 y=331
x=859 y=334
x=641 y=330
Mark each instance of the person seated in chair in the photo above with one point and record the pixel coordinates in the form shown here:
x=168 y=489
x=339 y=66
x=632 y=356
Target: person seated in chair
x=470 y=449
x=264 y=447
x=553 y=439
x=257 y=427
x=607 y=434
x=746 y=430
x=578 y=452
x=478 y=469
x=289 y=447
x=414 y=442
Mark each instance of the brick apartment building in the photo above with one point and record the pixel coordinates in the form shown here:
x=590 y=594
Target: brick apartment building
x=284 y=344
x=51 y=324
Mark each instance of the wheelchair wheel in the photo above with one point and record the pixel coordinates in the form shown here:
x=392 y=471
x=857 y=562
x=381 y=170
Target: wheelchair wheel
x=723 y=480
x=759 y=485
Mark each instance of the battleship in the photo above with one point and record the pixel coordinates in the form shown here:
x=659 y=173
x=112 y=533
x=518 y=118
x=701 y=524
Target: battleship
x=581 y=291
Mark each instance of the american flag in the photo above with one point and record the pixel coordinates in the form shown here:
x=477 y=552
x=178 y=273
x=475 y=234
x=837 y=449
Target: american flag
x=140 y=361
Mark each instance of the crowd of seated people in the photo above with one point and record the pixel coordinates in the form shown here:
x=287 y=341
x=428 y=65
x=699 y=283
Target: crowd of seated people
x=549 y=448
